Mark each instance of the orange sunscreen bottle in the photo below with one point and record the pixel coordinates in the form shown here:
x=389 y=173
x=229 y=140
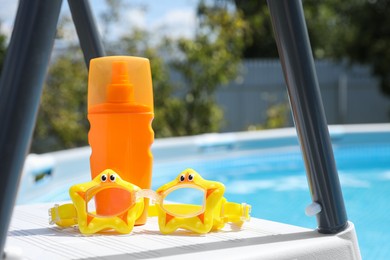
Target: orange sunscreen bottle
x=120 y=112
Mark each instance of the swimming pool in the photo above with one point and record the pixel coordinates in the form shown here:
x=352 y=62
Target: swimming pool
x=264 y=169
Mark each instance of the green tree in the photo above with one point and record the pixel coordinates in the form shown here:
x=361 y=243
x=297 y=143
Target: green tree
x=259 y=40
x=62 y=118
x=356 y=30
x=211 y=59
x=204 y=63
x=3 y=49
x=277 y=116
x=138 y=43
x=325 y=24
x=366 y=38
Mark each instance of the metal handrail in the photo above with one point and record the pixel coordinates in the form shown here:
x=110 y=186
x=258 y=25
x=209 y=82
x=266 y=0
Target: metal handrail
x=86 y=29
x=299 y=72
x=21 y=82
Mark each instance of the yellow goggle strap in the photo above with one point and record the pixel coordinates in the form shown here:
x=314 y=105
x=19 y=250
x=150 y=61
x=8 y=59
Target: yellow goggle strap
x=235 y=212
x=230 y=211
x=63 y=216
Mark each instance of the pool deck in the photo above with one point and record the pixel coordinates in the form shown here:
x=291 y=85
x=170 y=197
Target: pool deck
x=31 y=237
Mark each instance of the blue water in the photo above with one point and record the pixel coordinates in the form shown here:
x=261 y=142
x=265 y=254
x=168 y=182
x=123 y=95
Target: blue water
x=275 y=184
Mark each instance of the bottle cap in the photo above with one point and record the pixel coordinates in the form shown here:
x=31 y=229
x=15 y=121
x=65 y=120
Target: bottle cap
x=120 y=79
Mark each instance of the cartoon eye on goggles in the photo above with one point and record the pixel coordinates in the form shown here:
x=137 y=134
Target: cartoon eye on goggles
x=212 y=213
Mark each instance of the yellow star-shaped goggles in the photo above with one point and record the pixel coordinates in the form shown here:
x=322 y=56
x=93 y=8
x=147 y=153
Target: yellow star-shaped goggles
x=211 y=214
x=91 y=218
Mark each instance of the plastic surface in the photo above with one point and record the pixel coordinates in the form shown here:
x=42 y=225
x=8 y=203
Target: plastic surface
x=120 y=111
x=257 y=239
x=23 y=74
x=313 y=209
x=299 y=72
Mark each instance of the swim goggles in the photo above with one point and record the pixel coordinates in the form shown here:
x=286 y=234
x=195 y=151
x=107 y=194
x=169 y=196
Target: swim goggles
x=211 y=214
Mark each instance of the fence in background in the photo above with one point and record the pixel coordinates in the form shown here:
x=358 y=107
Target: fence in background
x=350 y=94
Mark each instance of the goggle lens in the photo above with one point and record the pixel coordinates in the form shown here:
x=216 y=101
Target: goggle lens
x=188 y=202
x=104 y=196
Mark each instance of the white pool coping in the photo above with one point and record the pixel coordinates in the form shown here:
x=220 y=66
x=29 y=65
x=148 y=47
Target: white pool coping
x=31 y=237
x=266 y=134
x=220 y=138
x=166 y=147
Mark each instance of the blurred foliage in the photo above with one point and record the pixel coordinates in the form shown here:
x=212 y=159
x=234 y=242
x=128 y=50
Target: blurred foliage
x=277 y=116
x=259 y=40
x=328 y=23
x=204 y=63
x=62 y=121
x=366 y=36
x=166 y=106
x=209 y=60
x=2 y=48
x=358 y=30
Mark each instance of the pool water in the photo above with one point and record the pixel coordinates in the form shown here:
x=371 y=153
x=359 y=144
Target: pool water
x=275 y=184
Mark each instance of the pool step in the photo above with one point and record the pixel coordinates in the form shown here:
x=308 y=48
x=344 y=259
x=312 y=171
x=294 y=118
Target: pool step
x=32 y=236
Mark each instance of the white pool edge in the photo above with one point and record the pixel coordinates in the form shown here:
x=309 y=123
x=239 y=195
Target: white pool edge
x=31 y=235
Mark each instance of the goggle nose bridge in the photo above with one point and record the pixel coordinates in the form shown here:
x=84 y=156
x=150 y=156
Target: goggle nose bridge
x=149 y=194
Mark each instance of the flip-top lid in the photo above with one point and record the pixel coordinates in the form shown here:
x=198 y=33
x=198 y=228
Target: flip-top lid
x=120 y=79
